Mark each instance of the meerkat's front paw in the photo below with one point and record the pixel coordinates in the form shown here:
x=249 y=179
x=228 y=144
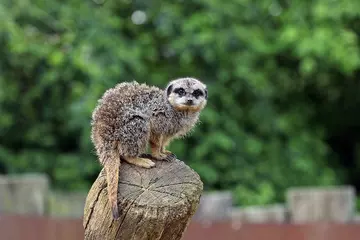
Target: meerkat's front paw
x=159 y=156
x=141 y=162
x=166 y=152
x=168 y=156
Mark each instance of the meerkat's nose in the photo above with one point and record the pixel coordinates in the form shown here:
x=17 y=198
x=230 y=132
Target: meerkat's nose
x=190 y=102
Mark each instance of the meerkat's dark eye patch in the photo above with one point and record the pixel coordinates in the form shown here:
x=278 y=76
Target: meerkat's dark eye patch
x=197 y=93
x=179 y=91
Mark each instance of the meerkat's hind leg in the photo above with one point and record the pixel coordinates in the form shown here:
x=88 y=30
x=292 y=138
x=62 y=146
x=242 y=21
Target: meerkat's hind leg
x=138 y=130
x=139 y=161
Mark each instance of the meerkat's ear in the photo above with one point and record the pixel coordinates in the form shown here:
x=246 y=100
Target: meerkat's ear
x=206 y=93
x=169 y=89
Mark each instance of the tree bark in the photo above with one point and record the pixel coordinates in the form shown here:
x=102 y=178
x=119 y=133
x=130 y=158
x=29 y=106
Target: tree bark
x=154 y=204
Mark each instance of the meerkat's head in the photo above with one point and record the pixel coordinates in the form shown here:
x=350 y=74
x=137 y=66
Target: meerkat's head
x=187 y=94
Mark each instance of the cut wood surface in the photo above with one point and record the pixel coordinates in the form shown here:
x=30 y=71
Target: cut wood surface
x=155 y=203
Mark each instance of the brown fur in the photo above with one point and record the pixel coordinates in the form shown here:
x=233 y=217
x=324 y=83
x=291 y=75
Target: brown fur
x=131 y=115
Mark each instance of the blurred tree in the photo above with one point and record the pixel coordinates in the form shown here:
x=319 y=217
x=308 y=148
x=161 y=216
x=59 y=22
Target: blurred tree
x=281 y=77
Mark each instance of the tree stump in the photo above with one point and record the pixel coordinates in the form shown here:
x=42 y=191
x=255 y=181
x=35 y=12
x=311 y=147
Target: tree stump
x=154 y=204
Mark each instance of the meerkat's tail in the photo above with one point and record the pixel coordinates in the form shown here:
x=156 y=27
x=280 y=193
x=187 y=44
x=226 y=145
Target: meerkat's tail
x=112 y=178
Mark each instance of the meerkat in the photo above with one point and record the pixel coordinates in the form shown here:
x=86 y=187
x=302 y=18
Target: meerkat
x=132 y=116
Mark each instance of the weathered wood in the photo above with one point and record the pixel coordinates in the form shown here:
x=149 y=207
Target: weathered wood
x=214 y=206
x=154 y=204
x=23 y=194
x=321 y=204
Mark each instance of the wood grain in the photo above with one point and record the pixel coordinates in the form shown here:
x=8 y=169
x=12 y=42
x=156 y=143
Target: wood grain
x=155 y=203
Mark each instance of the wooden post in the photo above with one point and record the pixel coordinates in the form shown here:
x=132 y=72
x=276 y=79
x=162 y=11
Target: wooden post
x=154 y=204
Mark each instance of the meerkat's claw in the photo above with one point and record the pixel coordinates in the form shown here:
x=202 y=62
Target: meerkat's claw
x=170 y=157
x=165 y=156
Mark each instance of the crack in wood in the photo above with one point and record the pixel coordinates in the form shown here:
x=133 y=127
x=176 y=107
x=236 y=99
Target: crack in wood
x=131 y=184
x=174 y=184
x=93 y=206
x=126 y=197
x=168 y=193
x=130 y=206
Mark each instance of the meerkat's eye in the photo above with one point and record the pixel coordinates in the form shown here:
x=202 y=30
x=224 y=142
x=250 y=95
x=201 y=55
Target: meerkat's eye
x=180 y=91
x=197 y=93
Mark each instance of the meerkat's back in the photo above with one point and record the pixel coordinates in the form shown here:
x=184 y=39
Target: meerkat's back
x=127 y=96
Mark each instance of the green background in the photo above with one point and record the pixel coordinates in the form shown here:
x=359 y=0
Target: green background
x=283 y=80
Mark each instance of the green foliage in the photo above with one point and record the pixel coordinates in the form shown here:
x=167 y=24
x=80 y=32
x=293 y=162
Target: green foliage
x=278 y=74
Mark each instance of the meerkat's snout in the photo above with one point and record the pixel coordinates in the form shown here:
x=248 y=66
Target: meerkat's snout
x=187 y=94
